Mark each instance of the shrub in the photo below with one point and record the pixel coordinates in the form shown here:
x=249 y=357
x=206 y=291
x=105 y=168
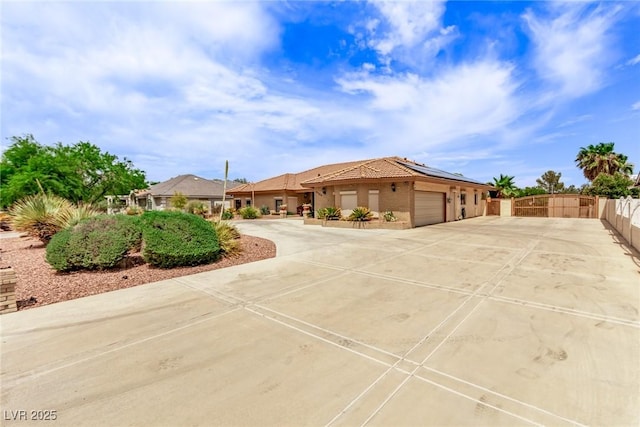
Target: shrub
x=389 y=216
x=99 y=242
x=264 y=210
x=228 y=238
x=40 y=215
x=197 y=207
x=173 y=239
x=360 y=213
x=249 y=212
x=178 y=200
x=134 y=210
x=227 y=214
x=330 y=213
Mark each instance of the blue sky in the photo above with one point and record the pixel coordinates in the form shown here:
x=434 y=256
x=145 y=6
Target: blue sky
x=479 y=88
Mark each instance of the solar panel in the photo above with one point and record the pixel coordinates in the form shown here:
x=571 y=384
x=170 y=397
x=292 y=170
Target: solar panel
x=437 y=173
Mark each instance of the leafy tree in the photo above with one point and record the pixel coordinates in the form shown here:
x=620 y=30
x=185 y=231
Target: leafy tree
x=597 y=159
x=572 y=189
x=178 y=200
x=528 y=191
x=612 y=186
x=79 y=172
x=505 y=185
x=550 y=182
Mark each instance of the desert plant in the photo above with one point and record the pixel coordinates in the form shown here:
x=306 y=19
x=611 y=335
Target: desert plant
x=330 y=213
x=173 y=239
x=264 y=210
x=40 y=215
x=5 y=221
x=249 y=212
x=98 y=242
x=227 y=215
x=360 y=213
x=77 y=214
x=197 y=207
x=389 y=216
x=228 y=237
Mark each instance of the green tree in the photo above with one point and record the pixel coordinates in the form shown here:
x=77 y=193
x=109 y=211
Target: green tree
x=612 y=186
x=79 y=172
x=178 y=200
x=528 y=191
x=600 y=158
x=550 y=182
x=505 y=185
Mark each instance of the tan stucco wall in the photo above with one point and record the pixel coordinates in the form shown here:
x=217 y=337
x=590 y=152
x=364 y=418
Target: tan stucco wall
x=454 y=203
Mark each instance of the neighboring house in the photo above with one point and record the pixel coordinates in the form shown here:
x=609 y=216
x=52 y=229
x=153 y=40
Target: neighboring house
x=158 y=196
x=415 y=193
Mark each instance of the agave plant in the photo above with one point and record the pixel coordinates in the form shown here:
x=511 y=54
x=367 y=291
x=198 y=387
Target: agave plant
x=361 y=213
x=329 y=213
x=40 y=215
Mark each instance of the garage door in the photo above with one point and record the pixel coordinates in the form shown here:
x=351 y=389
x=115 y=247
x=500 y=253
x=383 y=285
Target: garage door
x=429 y=208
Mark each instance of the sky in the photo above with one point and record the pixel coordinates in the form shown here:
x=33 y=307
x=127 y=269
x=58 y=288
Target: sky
x=478 y=88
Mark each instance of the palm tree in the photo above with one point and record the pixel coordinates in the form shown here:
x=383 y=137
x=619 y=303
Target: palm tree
x=600 y=158
x=505 y=185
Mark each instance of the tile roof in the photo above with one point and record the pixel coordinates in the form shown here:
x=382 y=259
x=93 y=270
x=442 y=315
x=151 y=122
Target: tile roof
x=380 y=168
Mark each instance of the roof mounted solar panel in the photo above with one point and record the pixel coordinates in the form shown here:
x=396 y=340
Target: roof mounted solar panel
x=437 y=173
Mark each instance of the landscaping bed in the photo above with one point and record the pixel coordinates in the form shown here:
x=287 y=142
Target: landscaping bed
x=39 y=284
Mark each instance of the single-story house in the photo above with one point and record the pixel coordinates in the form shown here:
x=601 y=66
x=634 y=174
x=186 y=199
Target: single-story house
x=195 y=188
x=415 y=193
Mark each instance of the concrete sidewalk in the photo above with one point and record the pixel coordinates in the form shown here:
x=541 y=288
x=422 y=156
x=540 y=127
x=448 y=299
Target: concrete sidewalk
x=489 y=321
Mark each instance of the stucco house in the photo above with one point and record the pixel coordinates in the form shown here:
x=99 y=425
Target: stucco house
x=158 y=196
x=415 y=193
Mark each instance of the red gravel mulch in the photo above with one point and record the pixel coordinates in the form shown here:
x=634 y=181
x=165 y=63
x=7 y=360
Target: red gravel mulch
x=39 y=284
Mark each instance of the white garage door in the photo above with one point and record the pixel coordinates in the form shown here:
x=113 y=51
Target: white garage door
x=429 y=208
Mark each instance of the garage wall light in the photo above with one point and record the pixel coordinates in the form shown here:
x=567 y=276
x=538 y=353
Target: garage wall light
x=324 y=190
x=393 y=187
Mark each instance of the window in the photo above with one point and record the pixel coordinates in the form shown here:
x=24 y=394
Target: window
x=149 y=203
x=348 y=200
x=463 y=198
x=475 y=198
x=238 y=204
x=248 y=202
x=278 y=204
x=374 y=200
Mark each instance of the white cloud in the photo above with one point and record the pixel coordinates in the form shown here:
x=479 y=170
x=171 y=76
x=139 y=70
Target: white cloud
x=465 y=101
x=635 y=60
x=636 y=106
x=573 y=47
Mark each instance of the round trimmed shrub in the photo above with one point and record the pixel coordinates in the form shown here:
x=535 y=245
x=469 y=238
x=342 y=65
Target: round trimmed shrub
x=174 y=239
x=96 y=243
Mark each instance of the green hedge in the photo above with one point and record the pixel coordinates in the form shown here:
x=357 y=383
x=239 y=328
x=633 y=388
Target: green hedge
x=173 y=239
x=99 y=242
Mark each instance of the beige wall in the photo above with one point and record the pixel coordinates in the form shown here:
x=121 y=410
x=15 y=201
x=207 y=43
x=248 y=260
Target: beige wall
x=269 y=200
x=624 y=216
x=505 y=207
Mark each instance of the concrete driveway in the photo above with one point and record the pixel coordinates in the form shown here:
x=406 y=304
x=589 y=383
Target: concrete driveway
x=488 y=321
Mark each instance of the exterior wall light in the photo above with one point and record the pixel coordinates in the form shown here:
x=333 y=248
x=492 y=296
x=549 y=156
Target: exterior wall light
x=324 y=190
x=393 y=187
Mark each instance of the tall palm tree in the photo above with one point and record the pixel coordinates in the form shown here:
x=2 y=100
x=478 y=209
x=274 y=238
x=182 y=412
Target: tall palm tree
x=600 y=158
x=505 y=185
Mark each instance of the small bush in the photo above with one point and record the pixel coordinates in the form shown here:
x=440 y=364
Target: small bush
x=360 y=213
x=227 y=215
x=173 y=239
x=264 y=210
x=197 y=207
x=178 y=200
x=134 y=210
x=389 y=216
x=99 y=242
x=330 y=213
x=249 y=212
x=228 y=238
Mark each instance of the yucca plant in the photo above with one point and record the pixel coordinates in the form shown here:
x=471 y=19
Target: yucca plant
x=228 y=237
x=360 y=213
x=40 y=215
x=329 y=213
x=77 y=214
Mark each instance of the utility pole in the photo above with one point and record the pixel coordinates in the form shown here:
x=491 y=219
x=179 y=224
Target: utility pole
x=224 y=187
